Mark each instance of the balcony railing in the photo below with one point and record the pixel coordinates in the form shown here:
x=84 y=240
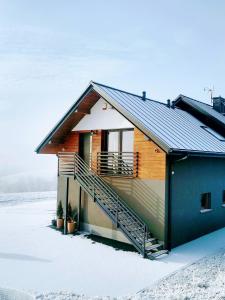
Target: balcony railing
x=66 y=163
x=118 y=164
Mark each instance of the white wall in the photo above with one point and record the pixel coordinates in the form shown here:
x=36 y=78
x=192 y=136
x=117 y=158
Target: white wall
x=102 y=119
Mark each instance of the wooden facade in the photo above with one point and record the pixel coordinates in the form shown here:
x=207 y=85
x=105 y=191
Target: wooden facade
x=70 y=144
x=96 y=147
x=151 y=159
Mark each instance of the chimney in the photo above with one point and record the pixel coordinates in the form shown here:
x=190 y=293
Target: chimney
x=168 y=103
x=143 y=96
x=219 y=104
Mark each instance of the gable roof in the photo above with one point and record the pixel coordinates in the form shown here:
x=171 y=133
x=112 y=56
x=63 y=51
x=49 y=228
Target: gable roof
x=203 y=108
x=172 y=129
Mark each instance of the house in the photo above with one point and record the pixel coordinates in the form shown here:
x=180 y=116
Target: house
x=140 y=171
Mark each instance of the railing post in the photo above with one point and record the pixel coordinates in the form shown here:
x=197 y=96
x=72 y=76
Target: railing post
x=93 y=189
x=66 y=206
x=75 y=165
x=117 y=212
x=145 y=230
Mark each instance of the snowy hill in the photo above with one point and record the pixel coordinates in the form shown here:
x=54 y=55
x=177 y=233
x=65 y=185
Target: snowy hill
x=35 y=181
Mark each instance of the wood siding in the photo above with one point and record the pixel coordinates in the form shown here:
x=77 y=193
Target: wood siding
x=96 y=147
x=151 y=159
x=71 y=144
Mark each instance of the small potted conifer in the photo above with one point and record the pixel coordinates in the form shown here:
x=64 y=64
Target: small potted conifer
x=71 y=219
x=59 y=215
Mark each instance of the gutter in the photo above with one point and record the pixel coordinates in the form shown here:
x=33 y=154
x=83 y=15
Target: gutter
x=193 y=153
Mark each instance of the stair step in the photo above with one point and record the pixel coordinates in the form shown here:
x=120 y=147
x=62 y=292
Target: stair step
x=115 y=208
x=150 y=241
x=130 y=221
x=153 y=247
x=132 y=227
x=158 y=253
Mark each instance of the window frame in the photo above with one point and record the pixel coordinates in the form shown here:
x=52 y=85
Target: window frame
x=120 y=137
x=208 y=202
x=223 y=198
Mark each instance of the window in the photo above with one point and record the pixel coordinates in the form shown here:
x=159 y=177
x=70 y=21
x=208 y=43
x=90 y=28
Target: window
x=214 y=133
x=223 y=200
x=205 y=201
x=121 y=140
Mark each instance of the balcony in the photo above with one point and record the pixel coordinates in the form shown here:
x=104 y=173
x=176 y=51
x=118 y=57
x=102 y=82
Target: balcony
x=117 y=164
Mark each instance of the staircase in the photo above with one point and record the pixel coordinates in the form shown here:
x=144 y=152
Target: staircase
x=124 y=217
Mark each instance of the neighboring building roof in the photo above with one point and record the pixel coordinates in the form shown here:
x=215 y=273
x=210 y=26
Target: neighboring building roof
x=172 y=129
x=204 y=108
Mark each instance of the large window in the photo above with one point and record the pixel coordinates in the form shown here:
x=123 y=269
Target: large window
x=205 y=202
x=120 y=140
x=118 y=157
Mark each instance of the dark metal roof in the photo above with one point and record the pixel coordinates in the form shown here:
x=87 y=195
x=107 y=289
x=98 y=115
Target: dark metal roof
x=172 y=129
x=203 y=108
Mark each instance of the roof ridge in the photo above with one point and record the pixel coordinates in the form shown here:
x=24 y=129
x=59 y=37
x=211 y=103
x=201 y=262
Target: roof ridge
x=122 y=91
x=196 y=100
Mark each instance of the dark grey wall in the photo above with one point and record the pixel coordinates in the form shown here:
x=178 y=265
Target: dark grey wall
x=192 y=177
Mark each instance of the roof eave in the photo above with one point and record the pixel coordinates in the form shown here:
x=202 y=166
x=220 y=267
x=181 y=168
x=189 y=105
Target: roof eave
x=200 y=110
x=68 y=113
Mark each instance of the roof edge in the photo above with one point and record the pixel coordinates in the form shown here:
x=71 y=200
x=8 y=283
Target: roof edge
x=200 y=110
x=134 y=121
x=65 y=116
x=197 y=153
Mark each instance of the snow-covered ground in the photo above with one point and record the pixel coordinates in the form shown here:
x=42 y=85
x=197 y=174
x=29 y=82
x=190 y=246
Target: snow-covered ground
x=34 y=257
x=8 y=199
x=202 y=280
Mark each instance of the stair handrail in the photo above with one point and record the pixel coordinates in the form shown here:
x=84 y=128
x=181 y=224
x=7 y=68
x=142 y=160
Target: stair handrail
x=109 y=189
x=90 y=177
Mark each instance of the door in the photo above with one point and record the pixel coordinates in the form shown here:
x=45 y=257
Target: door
x=85 y=147
x=113 y=141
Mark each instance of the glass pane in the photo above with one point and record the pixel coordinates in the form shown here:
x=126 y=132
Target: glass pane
x=113 y=141
x=128 y=141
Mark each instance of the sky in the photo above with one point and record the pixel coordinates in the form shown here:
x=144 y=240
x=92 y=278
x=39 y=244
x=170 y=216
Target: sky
x=51 y=49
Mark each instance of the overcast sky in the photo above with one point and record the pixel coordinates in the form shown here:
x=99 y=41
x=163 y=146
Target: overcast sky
x=51 y=49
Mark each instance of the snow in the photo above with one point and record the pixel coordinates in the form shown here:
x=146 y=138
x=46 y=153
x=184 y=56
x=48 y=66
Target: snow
x=9 y=294
x=202 y=280
x=38 y=259
x=19 y=198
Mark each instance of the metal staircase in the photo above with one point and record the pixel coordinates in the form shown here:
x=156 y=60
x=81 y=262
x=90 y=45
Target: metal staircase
x=124 y=217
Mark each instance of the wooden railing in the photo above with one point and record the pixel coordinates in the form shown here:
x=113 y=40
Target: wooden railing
x=118 y=164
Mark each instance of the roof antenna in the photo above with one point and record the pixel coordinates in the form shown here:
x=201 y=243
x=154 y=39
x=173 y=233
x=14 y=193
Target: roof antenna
x=210 y=91
x=144 y=96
